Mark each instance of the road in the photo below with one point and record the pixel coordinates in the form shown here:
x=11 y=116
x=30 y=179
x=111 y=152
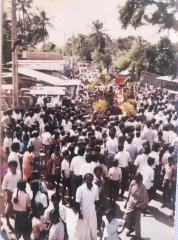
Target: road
x=156 y=226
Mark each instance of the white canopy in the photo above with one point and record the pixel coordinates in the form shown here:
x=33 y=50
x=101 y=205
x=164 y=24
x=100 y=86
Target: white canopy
x=167 y=78
x=46 y=90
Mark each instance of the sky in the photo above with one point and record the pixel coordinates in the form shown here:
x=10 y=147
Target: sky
x=76 y=16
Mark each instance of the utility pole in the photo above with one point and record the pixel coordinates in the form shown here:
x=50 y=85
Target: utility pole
x=1 y=54
x=73 y=60
x=15 y=98
x=1 y=41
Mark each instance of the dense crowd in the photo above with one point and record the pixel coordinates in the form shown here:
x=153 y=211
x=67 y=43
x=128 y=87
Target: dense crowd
x=66 y=156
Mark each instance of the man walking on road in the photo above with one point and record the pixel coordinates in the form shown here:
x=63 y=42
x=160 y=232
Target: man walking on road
x=86 y=198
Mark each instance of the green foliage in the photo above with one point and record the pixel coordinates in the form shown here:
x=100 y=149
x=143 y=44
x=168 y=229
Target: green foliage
x=49 y=47
x=125 y=43
x=105 y=78
x=136 y=13
x=122 y=62
x=132 y=58
x=159 y=58
x=31 y=28
x=93 y=84
x=92 y=47
x=162 y=58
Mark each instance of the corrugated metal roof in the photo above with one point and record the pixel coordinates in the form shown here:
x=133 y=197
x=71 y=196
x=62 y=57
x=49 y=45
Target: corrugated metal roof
x=42 y=55
x=46 y=78
x=50 y=65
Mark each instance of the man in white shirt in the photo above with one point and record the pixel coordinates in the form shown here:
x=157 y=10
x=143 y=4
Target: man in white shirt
x=98 y=133
x=14 y=154
x=9 y=184
x=111 y=147
x=131 y=149
x=88 y=166
x=87 y=197
x=28 y=120
x=37 y=196
x=56 y=231
x=65 y=173
x=155 y=155
x=75 y=166
x=148 y=177
x=124 y=161
x=137 y=141
x=7 y=142
x=67 y=125
x=36 y=142
x=17 y=115
x=149 y=134
x=46 y=138
x=55 y=204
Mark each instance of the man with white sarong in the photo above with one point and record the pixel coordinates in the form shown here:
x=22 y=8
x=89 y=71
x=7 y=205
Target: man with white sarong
x=86 y=200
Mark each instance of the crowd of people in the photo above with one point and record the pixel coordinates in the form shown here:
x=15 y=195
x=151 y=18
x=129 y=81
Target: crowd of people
x=66 y=156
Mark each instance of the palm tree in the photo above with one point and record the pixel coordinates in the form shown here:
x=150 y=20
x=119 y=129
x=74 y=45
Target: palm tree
x=97 y=26
x=42 y=23
x=31 y=29
x=98 y=36
x=23 y=20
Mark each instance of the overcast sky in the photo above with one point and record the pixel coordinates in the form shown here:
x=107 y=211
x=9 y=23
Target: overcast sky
x=76 y=16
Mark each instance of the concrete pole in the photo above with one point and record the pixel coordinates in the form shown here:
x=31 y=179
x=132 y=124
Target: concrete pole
x=175 y=236
x=1 y=54
x=73 y=58
x=14 y=58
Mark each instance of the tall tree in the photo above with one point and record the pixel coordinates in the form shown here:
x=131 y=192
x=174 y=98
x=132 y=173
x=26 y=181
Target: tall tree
x=137 y=13
x=24 y=21
x=43 y=22
x=133 y=58
x=98 y=36
x=31 y=28
x=162 y=58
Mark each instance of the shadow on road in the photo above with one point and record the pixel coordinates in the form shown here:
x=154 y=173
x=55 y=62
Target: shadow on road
x=134 y=238
x=160 y=216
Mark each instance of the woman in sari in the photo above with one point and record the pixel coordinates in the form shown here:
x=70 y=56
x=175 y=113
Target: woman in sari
x=136 y=202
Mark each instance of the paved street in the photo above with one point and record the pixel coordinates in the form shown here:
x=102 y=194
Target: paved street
x=157 y=226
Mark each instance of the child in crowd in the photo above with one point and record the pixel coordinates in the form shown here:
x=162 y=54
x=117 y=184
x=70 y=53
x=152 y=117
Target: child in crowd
x=110 y=225
x=56 y=205
x=39 y=227
x=21 y=203
x=57 y=229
